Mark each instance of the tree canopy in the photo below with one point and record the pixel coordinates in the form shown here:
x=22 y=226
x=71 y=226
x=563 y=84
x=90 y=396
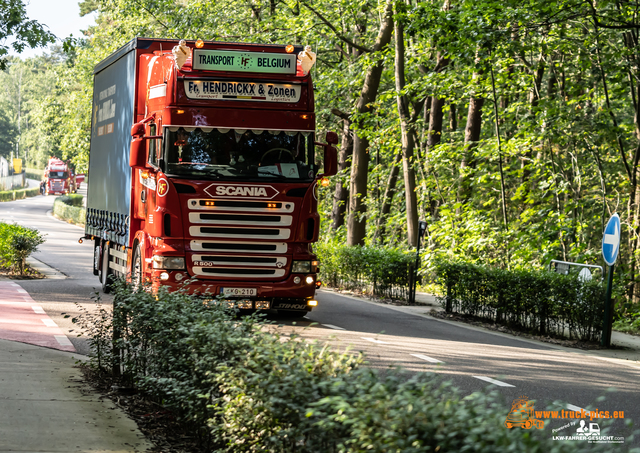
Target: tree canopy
x=513 y=124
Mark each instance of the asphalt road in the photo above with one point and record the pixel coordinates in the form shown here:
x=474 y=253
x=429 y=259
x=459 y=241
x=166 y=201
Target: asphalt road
x=472 y=359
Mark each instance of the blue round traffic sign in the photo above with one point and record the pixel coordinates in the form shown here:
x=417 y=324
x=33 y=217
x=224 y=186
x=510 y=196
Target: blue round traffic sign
x=611 y=240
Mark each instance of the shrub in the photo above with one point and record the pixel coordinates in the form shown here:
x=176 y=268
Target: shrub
x=11 y=195
x=540 y=301
x=380 y=271
x=16 y=244
x=69 y=208
x=244 y=387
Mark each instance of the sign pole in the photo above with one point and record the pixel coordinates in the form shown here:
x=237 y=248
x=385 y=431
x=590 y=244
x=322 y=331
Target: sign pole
x=610 y=248
x=413 y=279
x=605 y=340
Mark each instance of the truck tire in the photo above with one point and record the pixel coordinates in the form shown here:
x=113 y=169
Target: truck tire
x=136 y=269
x=106 y=275
x=96 y=259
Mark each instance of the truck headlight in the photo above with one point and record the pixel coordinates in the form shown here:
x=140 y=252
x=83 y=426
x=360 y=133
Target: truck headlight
x=301 y=267
x=168 y=262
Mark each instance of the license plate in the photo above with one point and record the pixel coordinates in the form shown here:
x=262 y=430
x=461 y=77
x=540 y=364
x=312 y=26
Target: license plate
x=239 y=291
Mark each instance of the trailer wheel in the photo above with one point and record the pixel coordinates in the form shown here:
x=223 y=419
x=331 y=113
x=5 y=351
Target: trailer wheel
x=136 y=269
x=106 y=274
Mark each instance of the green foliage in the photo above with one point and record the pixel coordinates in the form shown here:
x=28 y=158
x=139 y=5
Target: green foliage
x=69 y=208
x=33 y=174
x=7 y=135
x=11 y=195
x=630 y=324
x=540 y=301
x=243 y=386
x=15 y=23
x=380 y=271
x=16 y=244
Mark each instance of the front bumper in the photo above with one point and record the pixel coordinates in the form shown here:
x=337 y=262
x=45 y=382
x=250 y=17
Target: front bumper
x=286 y=295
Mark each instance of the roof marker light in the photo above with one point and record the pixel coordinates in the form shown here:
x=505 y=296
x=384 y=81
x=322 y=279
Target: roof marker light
x=199 y=43
x=289 y=48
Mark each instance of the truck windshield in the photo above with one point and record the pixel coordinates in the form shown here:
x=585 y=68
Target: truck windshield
x=239 y=153
x=58 y=174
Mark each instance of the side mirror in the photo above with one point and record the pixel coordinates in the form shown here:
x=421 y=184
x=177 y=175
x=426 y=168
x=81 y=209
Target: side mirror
x=138 y=153
x=330 y=161
x=137 y=130
x=332 y=138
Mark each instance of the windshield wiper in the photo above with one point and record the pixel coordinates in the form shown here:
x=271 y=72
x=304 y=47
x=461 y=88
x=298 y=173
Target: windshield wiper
x=268 y=173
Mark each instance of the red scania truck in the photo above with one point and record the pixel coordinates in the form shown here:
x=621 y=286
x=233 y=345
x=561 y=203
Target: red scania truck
x=203 y=171
x=58 y=178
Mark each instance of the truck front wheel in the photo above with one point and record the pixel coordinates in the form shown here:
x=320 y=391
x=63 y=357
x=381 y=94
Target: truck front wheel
x=96 y=259
x=136 y=269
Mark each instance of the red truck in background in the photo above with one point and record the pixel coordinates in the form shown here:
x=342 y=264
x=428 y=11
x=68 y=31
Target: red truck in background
x=58 y=179
x=204 y=171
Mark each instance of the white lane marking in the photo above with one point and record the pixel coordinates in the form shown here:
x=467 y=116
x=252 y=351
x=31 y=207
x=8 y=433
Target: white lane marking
x=571 y=407
x=493 y=381
x=331 y=326
x=49 y=323
x=427 y=358
x=21 y=291
x=39 y=310
x=63 y=340
x=373 y=340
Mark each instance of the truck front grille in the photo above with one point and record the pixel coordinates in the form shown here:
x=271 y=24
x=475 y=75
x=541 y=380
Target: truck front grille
x=238 y=272
x=219 y=246
x=239 y=260
x=236 y=239
x=239 y=219
x=244 y=233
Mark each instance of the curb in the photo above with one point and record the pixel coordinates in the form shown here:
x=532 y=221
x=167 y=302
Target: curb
x=46 y=270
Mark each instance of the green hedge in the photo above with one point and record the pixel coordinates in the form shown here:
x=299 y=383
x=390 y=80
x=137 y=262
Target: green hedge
x=243 y=387
x=379 y=271
x=541 y=301
x=69 y=207
x=10 y=195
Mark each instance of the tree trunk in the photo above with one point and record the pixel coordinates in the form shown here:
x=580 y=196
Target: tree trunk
x=471 y=138
x=436 y=114
x=388 y=197
x=341 y=198
x=453 y=118
x=407 y=139
x=357 y=223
